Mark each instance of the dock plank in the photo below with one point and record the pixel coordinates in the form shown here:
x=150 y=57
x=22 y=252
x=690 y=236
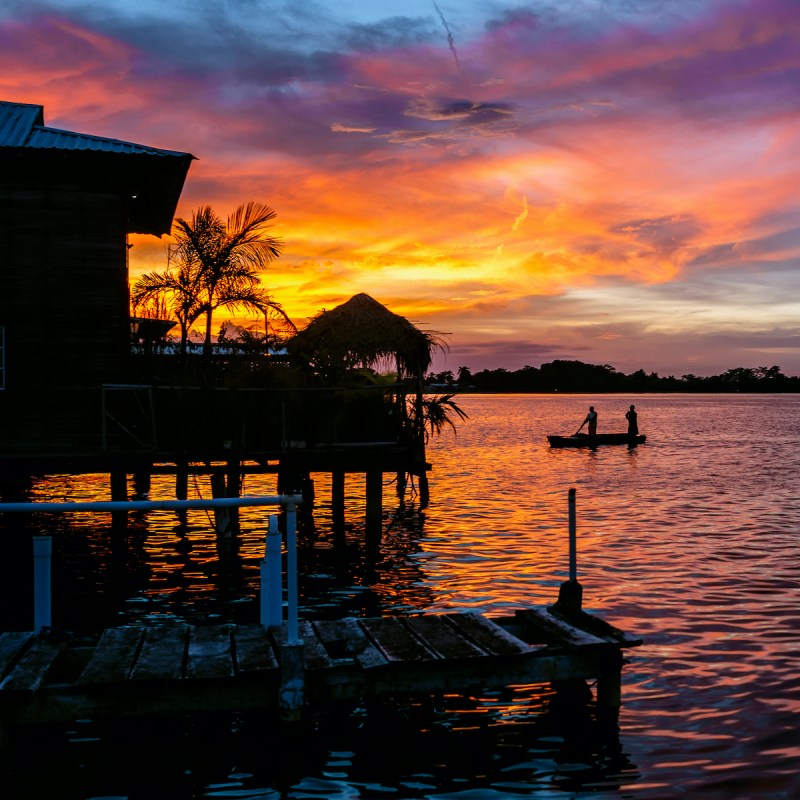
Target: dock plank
x=315 y=656
x=209 y=652
x=253 y=649
x=450 y=652
x=395 y=641
x=29 y=672
x=112 y=659
x=493 y=638
x=598 y=627
x=345 y=638
x=443 y=638
x=557 y=630
x=162 y=655
x=12 y=644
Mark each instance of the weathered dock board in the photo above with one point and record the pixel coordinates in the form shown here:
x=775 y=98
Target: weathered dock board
x=178 y=669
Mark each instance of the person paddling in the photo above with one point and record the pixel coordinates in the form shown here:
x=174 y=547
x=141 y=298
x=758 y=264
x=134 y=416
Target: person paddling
x=633 y=421
x=591 y=419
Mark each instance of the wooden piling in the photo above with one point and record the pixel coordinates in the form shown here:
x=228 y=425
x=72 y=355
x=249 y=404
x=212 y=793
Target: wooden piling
x=119 y=492
x=222 y=516
x=337 y=505
x=424 y=490
x=291 y=696
x=608 y=699
x=233 y=488
x=402 y=479
x=182 y=490
x=374 y=520
x=181 y=481
x=141 y=482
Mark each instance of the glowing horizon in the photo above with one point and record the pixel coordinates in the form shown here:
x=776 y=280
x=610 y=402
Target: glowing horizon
x=617 y=188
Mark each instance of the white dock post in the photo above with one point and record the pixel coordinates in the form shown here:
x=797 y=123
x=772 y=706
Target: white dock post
x=292 y=690
x=42 y=602
x=271 y=584
x=570 y=595
x=291 y=573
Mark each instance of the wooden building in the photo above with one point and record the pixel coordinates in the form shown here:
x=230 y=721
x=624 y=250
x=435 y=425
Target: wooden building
x=67 y=204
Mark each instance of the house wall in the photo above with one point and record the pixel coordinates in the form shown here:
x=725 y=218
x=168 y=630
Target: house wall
x=63 y=307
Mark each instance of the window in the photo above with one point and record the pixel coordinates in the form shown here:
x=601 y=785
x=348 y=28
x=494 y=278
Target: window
x=2 y=358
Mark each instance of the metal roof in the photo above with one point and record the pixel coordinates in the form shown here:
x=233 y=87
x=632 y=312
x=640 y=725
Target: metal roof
x=16 y=122
x=151 y=176
x=22 y=125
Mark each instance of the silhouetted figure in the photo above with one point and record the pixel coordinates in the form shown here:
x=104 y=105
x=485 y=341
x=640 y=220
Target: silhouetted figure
x=633 y=421
x=591 y=420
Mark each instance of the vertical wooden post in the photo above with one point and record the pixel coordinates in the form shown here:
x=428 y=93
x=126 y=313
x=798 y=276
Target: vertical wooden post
x=292 y=689
x=182 y=490
x=42 y=571
x=119 y=485
x=337 y=505
x=292 y=590
x=374 y=511
x=141 y=482
x=271 y=571
x=181 y=481
x=233 y=489
x=570 y=594
x=401 y=485
x=573 y=542
x=222 y=517
x=608 y=698
x=119 y=492
x=424 y=491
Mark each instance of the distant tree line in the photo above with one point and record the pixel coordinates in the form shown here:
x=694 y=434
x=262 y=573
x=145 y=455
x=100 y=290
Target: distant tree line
x=576 y=376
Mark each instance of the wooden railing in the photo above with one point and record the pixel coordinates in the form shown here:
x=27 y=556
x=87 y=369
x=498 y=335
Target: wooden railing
x=271 y=607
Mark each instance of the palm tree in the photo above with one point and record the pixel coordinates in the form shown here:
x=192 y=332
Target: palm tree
x=437 y=412
x=215 y=264
x=228 y=257
x=178 y=287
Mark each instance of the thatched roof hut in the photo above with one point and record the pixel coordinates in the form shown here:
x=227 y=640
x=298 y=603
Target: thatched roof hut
x=364 y=333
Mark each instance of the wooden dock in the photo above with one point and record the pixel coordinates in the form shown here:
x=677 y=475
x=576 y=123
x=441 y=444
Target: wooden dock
x=140 y=671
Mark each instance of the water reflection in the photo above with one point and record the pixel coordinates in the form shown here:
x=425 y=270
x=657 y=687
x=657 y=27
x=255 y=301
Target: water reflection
x=520 y=742
x=688 y=541
x=180 y=567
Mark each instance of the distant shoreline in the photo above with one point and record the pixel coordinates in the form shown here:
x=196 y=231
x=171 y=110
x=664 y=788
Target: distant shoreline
x=436 y=389
x=577 y=377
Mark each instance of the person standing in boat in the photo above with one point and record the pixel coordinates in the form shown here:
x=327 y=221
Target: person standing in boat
x=591 y=421
x=633 y=421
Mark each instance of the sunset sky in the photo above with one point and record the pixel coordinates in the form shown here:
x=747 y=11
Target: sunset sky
x=614 y=181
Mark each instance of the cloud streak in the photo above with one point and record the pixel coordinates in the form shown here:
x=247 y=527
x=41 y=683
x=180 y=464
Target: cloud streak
x=573 y=169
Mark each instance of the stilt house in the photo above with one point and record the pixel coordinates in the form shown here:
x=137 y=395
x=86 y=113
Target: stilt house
x=67 y=204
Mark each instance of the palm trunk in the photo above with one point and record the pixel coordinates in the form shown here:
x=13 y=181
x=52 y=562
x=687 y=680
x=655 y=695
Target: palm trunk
x=207 y=341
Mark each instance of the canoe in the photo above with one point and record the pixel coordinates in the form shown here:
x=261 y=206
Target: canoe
x=584 y=440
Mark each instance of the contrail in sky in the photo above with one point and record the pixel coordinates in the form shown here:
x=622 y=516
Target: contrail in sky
x=450 y=42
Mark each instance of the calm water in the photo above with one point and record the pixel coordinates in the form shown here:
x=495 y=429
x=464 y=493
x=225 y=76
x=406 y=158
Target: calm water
x=690 y=541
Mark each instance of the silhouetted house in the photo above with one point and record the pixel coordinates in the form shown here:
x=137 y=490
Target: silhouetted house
x=67 y=203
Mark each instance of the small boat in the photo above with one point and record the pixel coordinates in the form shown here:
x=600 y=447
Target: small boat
x=584 y=440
